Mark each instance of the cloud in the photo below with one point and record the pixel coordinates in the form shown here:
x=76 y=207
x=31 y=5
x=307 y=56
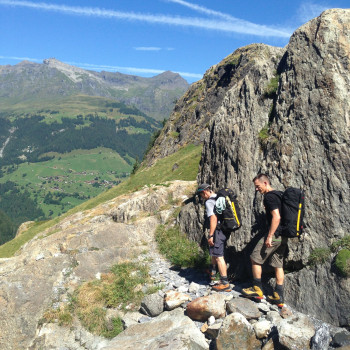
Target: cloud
x=309 y=10
x=99 y=67
x=147 y=48
x=231 y=25
x=16 y=58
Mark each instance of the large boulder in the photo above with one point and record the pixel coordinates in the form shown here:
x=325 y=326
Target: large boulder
x=171 y=330
x=202 y=308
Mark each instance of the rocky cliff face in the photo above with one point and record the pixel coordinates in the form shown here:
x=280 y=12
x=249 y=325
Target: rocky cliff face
x=190 y=120
x=296 y=131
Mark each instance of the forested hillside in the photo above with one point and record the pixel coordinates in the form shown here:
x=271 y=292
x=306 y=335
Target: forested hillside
x=56 y=157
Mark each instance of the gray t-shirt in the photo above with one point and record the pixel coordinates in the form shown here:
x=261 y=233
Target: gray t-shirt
x=210 y=205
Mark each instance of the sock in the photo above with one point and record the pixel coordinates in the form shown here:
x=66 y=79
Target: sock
x=257 y=282
x=224 y=279
x=279 y=289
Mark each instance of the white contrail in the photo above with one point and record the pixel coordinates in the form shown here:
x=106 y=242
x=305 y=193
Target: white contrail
x=147 y=48
x=237 y=26
x=109 y=68
x=205 y=10
x=231 y=19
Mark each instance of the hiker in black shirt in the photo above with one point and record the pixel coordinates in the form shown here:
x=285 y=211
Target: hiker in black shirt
x=271 y=247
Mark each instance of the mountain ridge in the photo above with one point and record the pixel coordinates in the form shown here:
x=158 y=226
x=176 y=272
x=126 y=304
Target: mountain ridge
x=54 y=79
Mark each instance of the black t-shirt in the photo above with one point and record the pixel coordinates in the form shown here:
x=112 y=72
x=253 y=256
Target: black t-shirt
x=272 y=201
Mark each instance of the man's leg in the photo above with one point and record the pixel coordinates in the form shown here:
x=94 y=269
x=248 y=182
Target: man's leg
x=224 y=283
x=256 y=289
x=277 y=262
x=256 y=269
x=278 y=295
x=221 y=265
x=279 y=275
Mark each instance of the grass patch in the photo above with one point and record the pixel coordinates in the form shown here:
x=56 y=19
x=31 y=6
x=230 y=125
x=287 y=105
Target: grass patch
x=342 y=243
x=272 y=86
x=319 y=256
x=342 y=262
x=62 y=316
x=187 y=159
x=121 y=288
x=178 y=249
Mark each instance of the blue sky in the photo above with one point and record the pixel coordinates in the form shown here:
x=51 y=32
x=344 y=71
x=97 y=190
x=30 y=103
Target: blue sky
x=147 y=37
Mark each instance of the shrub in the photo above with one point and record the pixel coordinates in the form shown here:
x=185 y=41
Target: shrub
x=319 y=256
x=176 y=247
x=342 y=243
x=342 y=262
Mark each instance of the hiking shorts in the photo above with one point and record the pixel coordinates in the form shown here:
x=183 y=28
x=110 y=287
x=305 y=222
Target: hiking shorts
x=219 y=244
x=275 y=253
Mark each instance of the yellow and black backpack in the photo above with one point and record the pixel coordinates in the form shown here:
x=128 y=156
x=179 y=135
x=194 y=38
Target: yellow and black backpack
x=230 y=218
x=292 y=212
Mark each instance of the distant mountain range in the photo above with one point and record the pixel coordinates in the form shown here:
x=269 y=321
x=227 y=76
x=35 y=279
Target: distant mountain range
x=67 y=134
x=33 y=83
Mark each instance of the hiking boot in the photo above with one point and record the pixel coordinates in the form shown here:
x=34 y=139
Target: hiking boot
x=222 y=287
x=276 y=299
x=253 y=292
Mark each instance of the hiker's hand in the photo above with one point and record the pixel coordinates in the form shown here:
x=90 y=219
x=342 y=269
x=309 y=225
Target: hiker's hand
x=211 y=241
x=268 y=242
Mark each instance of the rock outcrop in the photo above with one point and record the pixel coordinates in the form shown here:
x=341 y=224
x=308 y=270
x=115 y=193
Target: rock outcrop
x=78 y=248
x=284 y=112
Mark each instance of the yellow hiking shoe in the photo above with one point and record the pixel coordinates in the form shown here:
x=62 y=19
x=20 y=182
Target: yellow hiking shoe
x=276 y=299
x=253 y=292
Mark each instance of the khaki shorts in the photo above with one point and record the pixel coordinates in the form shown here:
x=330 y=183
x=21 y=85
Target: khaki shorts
x=275 y=253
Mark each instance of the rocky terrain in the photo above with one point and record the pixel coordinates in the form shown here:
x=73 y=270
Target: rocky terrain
x=184 y=314
x=52 y=80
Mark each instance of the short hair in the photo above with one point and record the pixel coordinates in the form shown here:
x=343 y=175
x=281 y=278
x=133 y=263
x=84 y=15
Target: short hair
x=262 y=178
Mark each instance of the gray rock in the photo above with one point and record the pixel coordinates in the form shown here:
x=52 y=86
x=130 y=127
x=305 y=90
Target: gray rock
x=237 y=333
x=194 y=287
x=341 y=339
x=245 y=307
x=296 y=332
x=274 y=317
x=174 y=299
x=321 y=339
x=262 y=328
x=131 y=318
x=213 y=330
x=152 y=305
x=334 y=296
x=171 y=330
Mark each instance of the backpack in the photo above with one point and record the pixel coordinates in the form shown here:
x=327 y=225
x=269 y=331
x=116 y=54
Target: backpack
x=230 y=218
x=292 y=212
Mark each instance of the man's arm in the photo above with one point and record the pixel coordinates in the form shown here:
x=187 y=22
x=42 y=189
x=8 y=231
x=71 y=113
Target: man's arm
x=213 y=223
x=276 y=218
